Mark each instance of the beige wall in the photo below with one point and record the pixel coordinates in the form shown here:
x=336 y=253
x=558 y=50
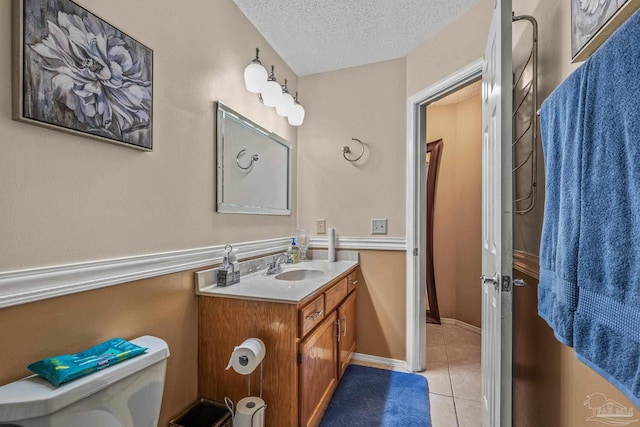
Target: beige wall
x=368 y=103
x=456 y=46
x=550 y=384
x=165 y=307
x=554 y=46
x=381 y=305
x=441 y=125
x=469 y=210
x=457 y=219
x=67 y=198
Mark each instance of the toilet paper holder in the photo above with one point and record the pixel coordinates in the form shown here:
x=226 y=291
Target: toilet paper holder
x=251 y=405
x=249 y=377
x=244 y=414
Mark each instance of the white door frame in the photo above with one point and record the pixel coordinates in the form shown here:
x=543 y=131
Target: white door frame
x=416 y=204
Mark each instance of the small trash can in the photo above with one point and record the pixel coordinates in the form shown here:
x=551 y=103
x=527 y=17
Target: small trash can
x=204 y=413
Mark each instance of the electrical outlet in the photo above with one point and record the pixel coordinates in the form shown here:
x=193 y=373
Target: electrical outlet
x=379 y=226
x=321 y=226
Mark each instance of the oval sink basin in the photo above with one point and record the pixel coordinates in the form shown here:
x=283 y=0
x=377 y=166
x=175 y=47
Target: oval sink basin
x=301 y=274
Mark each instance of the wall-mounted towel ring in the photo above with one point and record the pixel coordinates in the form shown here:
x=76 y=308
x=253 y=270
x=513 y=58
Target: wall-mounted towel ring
x=346 y=150
x=254 y=158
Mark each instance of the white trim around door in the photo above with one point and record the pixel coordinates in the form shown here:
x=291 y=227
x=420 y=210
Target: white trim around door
x=416 y=206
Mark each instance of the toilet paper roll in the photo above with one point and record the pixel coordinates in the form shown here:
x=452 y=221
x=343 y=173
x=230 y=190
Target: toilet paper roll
x=250 y=412
x=247 y=356
x=332 y=244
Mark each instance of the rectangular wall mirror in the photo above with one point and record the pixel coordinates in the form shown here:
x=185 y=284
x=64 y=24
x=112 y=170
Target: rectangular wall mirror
x=254 y=167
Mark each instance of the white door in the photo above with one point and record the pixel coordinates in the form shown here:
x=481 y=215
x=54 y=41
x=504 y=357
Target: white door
x=497 y=250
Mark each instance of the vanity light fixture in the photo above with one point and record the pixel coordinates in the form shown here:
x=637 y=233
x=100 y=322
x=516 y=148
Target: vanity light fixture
x=255 y=76
x=296 y=113
x=271 y=93
x=286 y=102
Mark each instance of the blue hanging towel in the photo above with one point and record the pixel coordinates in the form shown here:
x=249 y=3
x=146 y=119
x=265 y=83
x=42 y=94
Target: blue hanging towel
x=561 y=118
x=607 y=318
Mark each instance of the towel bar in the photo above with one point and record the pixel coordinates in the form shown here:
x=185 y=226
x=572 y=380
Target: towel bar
x=527 y=92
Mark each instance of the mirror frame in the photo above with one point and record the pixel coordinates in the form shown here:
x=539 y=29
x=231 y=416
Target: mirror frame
x=222 y=113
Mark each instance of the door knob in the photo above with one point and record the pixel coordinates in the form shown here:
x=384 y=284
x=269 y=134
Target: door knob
x=487 y=279
x=493 y=280
x=519 y=282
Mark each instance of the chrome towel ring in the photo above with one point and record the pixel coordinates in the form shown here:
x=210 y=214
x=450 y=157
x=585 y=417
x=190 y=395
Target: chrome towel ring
x=346 y=150
x=254 y=158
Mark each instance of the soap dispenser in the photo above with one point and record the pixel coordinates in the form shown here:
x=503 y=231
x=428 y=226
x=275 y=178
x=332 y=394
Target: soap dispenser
x=294 y=252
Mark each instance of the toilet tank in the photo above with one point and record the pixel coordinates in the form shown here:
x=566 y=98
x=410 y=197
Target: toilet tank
x=128 y=394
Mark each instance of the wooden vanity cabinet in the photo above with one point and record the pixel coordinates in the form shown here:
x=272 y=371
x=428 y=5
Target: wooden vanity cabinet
x=346 y=332
x=330 y=345
x=304 y=359
x=352 y=281
x=317 y=371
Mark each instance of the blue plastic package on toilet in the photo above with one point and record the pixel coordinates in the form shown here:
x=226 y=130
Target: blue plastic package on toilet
x=67 y=367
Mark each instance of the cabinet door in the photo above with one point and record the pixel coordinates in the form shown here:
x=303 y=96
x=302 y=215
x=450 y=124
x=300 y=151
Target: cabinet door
x=317 y=373
x=347 y=331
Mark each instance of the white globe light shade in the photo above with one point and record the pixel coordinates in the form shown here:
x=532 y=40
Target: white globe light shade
x=271 y=93
x=296 y=115
x=255 y=76
x=284 y=106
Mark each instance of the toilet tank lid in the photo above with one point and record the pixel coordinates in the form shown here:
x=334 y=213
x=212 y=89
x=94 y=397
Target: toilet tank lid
x=34 y=396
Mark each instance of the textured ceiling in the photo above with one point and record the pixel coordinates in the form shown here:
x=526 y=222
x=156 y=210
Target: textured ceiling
x=474 y=89
x=314 y=36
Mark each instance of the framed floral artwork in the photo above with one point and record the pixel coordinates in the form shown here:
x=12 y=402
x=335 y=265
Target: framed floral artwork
x=77 y=73
x=593 y=21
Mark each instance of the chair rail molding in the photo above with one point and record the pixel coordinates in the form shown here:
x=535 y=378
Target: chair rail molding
x=24 y=286
x=363 y=243
x=526 y=263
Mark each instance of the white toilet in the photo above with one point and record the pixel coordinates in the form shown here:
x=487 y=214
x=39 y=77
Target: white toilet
x=124 y=395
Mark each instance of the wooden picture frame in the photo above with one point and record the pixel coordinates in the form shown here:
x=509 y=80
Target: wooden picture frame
x=592 y=22
x=74 y=72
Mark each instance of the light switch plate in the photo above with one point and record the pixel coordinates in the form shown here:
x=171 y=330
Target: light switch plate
x=321 y=226
x=379 y=226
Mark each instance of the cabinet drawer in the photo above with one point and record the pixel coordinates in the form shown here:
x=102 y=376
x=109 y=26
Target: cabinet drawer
x=335 y=294
x=352 y=281
x=311 y=315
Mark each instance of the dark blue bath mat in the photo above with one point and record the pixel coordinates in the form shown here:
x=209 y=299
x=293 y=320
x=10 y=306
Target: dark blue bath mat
x=370 y=397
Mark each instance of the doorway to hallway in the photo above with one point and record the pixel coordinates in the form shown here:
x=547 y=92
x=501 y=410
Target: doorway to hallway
x=453 y=206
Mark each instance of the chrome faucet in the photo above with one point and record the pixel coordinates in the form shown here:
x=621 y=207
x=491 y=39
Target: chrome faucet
x=274 y=266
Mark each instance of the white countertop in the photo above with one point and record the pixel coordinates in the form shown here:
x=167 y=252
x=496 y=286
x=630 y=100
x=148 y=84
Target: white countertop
x=258 y=286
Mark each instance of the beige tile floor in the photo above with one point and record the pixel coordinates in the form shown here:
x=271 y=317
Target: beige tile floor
x=453 y=374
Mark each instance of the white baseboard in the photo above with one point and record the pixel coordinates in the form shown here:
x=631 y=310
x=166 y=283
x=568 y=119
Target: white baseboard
x=461 y=324
x=374 y=361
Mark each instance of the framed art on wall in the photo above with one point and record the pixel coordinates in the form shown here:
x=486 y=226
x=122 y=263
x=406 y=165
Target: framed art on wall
x=593 y=21
x=77 y=73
